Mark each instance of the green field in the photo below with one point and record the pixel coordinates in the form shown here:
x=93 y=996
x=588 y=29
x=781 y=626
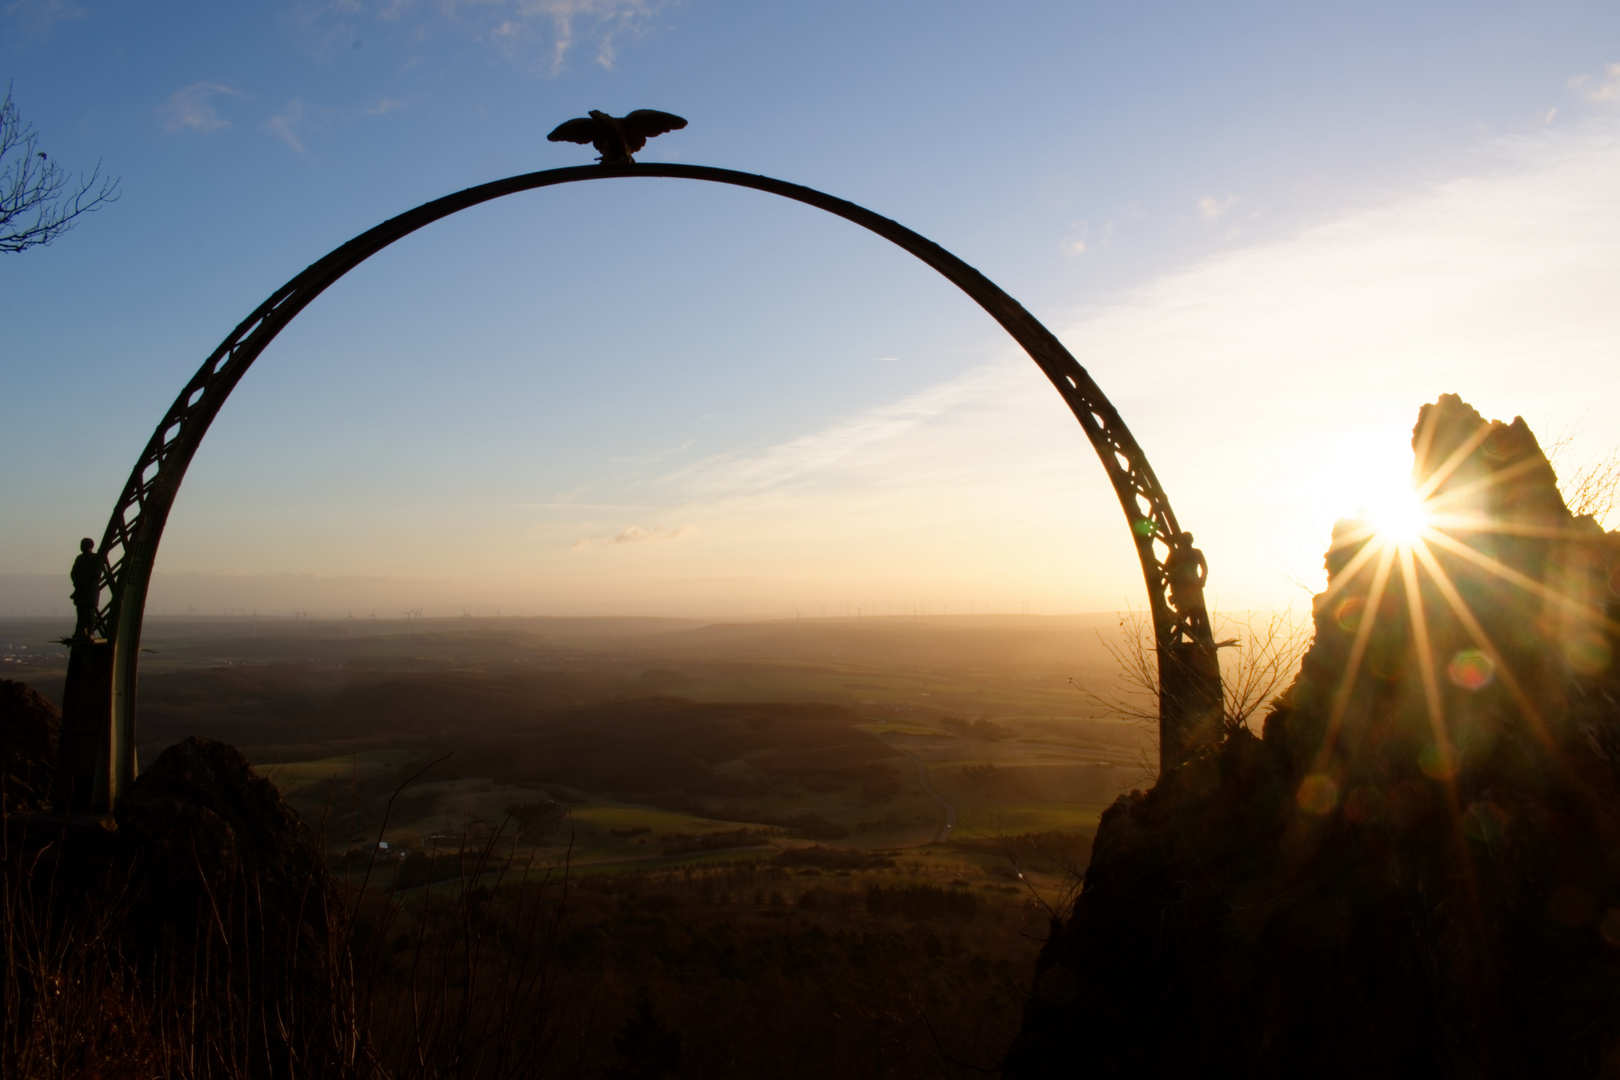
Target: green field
x=652 y=737
x=1022 y=781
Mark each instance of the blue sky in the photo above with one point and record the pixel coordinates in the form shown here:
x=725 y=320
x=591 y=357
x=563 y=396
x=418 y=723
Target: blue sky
x=1271 y=231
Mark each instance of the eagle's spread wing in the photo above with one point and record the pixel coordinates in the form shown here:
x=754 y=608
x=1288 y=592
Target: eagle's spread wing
x=581 y=129
x=645 y=123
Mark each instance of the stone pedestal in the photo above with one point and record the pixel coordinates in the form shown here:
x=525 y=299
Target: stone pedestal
x=80 y=787
x=1189 y=702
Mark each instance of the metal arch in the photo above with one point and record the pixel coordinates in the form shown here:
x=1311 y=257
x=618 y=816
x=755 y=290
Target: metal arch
x=130 y=542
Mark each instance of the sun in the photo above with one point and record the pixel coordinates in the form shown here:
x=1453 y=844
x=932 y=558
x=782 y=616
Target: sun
x=1400 y=518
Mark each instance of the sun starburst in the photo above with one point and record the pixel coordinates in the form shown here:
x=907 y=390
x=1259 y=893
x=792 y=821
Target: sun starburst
x=1424 y=540
x=1400 y=519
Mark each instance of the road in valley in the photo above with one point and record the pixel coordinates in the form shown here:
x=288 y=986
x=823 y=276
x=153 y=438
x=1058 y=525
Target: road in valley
x=927 y=785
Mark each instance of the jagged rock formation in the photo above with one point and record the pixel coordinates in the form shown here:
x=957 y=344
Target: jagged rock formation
x=1415 y=871
x=209 y=908
x=235 y=902
x=30 y=728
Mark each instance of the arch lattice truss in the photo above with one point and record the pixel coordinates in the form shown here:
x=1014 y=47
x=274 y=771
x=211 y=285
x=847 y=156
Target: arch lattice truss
x=130 y=542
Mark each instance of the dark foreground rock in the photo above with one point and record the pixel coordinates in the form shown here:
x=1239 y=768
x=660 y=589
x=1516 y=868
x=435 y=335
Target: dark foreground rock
x=235 y=896
x=208 y=911
x=1415 y=871
x=30 y=729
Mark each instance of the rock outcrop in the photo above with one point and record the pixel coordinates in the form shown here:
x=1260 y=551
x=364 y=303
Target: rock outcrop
x=1415 y=870
x=209 y=908
x=235 y=903
x=30 y=728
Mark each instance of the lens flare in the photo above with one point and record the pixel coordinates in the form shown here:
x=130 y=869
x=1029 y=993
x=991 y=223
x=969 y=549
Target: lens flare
x=1349 y=612
x=1438 y=760
x=1318 y=794
x=1587 y=652
x=1502 y=443
x=1472 y=670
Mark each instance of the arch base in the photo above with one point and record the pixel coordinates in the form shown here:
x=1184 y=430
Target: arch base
x=1189 y=701
x=80 y=787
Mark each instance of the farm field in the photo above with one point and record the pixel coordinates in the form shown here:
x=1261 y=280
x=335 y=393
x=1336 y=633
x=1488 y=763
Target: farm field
x=622 y=745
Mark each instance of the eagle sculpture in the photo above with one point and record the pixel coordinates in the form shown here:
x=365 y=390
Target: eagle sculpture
x=617 y=137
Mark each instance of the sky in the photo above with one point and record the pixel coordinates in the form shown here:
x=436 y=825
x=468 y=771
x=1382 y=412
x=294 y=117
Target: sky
x=1270 y=231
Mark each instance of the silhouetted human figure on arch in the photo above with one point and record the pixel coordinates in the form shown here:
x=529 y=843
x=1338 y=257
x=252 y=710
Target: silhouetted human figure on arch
x=86 y=576
x=1187 y=570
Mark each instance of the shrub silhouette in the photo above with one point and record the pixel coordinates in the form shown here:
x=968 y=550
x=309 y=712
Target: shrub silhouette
x=646 y=1049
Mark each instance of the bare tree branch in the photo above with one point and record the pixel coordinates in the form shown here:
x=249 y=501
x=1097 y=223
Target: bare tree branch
x=40 y=200
x=1592 y=488
x=1263 y=653
x=1266 y=652
x=1135 y=693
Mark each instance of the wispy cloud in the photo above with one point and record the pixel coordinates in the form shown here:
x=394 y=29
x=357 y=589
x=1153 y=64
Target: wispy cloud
x=655 y=456
x=536 y=34
x=635 y=534
x=192 y=108
x=554 y=28
x=1078 y=241
x=1212 y=209
x=36 y=18
x=327 y=28
x=1601 y=89
x=812 y=456
x=1083 y=239
x=286 y=125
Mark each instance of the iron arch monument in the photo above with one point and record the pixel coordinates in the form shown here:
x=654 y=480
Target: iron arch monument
x=99 y=699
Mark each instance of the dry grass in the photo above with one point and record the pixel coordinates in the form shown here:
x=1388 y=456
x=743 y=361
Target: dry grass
x=450 y=981
x=507 y=971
